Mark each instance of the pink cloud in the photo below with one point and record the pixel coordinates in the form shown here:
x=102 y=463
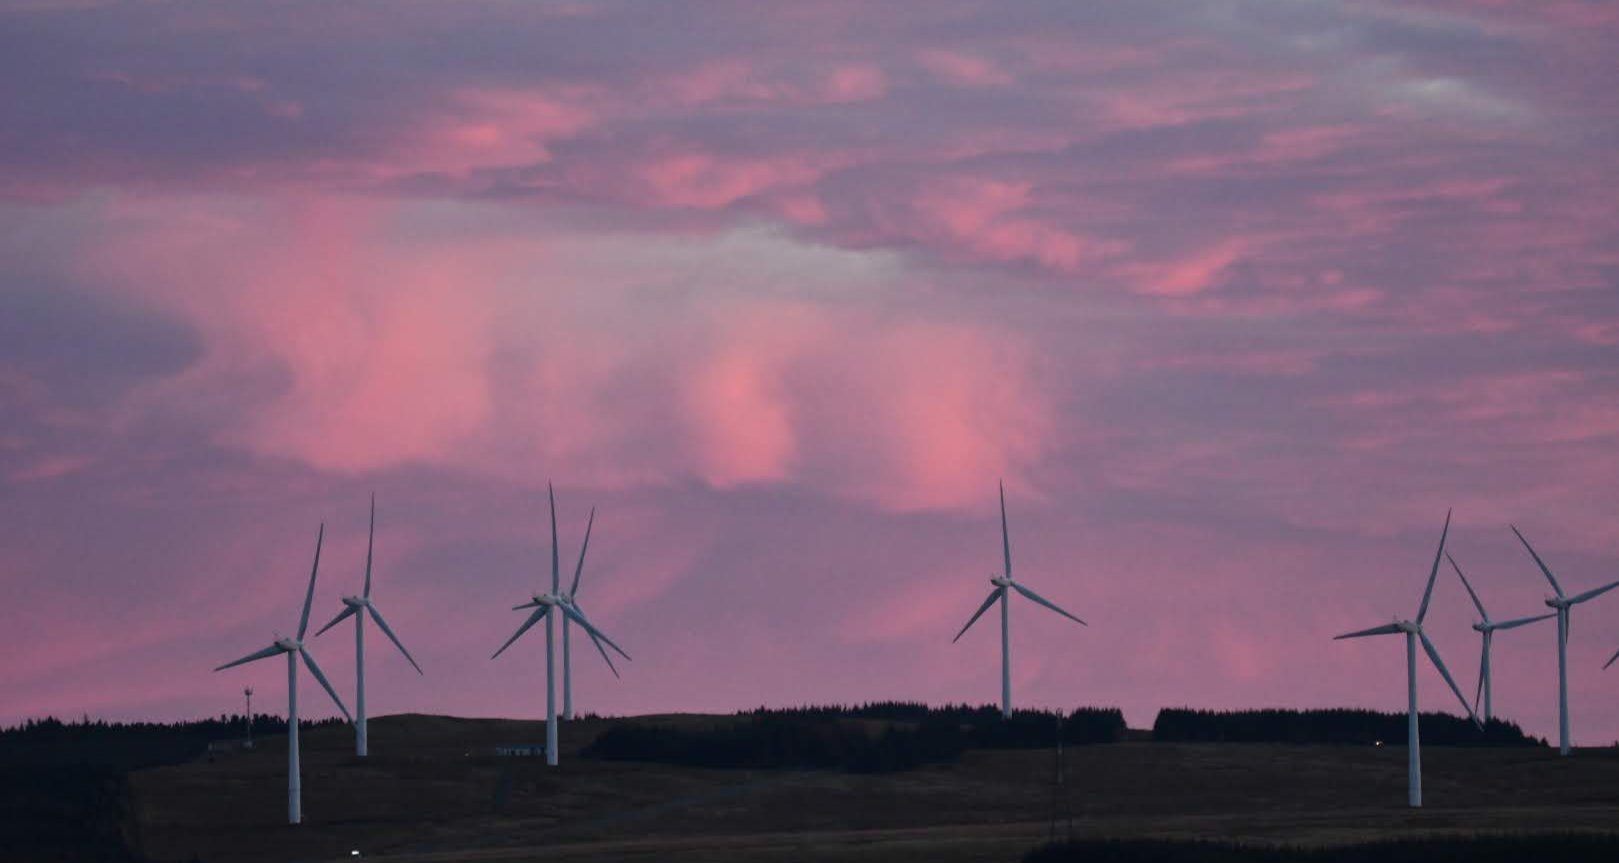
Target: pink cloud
x=744 y=417
x=698 y=180
x=348 y=350
x=53 y=467
x=989 y=218
x=856 y=84
x=1191 y=275
x=962 y=68
x=736 y=80
x=486 y=128
x=938 y=406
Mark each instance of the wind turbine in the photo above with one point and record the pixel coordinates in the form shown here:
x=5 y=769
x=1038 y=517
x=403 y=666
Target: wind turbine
x=571 y=600
x=1562 y=604
x=542 y=603
x=352 y=607
x=294 y=648
x=1413 y=633
x=1487 y=629
x=1003 y=585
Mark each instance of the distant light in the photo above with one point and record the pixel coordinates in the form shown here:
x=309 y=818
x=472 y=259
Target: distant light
x=1378 y=743
x=354 y=853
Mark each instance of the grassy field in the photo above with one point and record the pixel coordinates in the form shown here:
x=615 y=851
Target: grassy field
x=434 y=791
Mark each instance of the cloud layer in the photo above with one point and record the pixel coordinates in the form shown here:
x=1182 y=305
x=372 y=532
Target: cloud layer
x=1238 y=300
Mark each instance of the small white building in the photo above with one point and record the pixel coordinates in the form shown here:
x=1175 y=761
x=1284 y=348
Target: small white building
x=524 y=750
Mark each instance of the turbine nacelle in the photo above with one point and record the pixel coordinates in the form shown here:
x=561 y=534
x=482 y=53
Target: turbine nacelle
x=1557 y=602
x=356 y=602
x=547 y=599
x=1000 y=581
x=290 y=645
x=1409 y=626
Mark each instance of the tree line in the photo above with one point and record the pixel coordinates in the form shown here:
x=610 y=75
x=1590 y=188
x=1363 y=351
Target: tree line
x=64 y=791
x=1338 y=726
x=869 y=738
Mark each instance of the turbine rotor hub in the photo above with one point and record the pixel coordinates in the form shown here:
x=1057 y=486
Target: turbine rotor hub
x=290 y=645
x=1000 y=581
x=356 y=601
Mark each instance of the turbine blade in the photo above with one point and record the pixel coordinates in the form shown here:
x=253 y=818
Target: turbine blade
x=1006 y=538
x=1433 y=654
x=1483 y=663
x=1538 y=562
x=599 y=649
x=1523 y=621
x=993 y=595
x=1385 y=629
x=370 y=538
x=325 y=684
x=530 y=604
x=1610 y=660
x=574 y=615
x=1592 y=594
x=347 y=610
x=1433 y=574
x=579 y=570
x=596 y=641
x=303 y=622
x=1479 y=605
x=1046 y=602
x=556 y=567
x=266 y=653
x=377 y=616
x=527 y=624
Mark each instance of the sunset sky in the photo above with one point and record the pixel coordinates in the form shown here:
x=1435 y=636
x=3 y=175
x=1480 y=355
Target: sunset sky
x=1237 y=296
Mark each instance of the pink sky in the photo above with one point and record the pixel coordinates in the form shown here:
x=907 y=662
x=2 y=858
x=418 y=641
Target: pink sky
x=1237 y=297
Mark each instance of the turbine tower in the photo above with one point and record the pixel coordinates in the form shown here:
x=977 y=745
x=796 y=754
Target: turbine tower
x=1487 y=629
x=1003 y=585
x=571 y=599
x=353 y=605
x=294 y=648
x=1562 y=604
x=542 y=603
x=1413 y=633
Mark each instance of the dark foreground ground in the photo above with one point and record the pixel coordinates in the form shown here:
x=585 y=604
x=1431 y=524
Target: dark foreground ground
x=434 y=791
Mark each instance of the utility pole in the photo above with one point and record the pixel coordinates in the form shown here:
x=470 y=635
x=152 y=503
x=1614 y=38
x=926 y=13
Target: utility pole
x=249 y=693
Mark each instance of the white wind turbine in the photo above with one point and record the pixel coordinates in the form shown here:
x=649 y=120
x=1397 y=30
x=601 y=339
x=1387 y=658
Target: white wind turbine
x=542 y=603
x=294 y=648
x=571 y=599
x=352 y=607
x=1487 y=629
x=1001 y=592
x=1562 y=604
x=1413 y=633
